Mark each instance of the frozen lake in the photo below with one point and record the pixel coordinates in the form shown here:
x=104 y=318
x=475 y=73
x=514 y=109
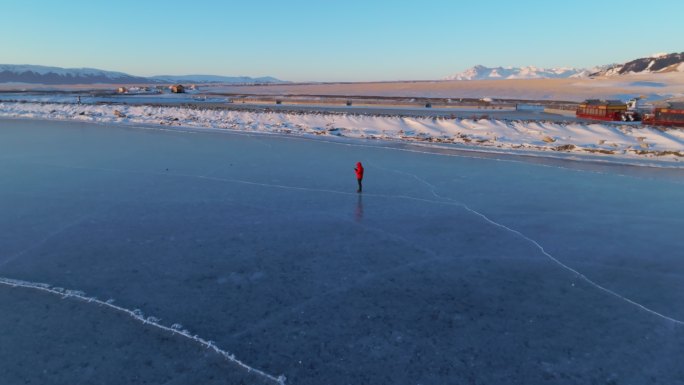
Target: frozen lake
x=448 y=269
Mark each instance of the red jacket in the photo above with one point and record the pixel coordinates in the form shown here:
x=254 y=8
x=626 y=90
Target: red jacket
x=359 y=171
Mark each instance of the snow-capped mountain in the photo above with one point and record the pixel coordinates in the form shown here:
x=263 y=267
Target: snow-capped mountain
x=659 y=63
x=34 y=74
x=10 y=73
x=214 y=79
x=481 y=72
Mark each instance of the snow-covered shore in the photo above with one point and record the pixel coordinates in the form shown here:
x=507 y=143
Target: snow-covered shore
x=612 y=141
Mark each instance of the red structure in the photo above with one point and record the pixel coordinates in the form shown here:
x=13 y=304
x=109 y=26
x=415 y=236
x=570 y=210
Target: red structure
x=610 y=110
x=671 y=115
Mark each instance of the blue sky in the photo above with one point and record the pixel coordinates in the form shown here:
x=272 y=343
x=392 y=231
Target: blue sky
x=334 y=40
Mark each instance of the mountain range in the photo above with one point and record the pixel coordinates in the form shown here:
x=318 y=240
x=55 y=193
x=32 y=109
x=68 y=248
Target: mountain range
x=659 y=63
x=480 y=72
x=214 y=79
x=34 y=74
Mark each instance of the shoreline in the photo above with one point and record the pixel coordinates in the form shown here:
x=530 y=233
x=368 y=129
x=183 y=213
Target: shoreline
x=586 y=163
x=625 y=145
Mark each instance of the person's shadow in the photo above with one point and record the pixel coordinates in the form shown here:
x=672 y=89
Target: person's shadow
x=359 y=209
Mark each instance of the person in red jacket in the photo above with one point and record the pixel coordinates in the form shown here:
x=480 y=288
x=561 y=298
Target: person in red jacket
x=359 y=175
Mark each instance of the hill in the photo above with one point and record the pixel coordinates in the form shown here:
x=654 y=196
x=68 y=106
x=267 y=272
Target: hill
x=35 y=74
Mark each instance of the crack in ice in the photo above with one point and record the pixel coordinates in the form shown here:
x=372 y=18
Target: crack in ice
x=36 y=245
x=544 y=252
x=440 y=200
x=138 y=315
x=366 y=278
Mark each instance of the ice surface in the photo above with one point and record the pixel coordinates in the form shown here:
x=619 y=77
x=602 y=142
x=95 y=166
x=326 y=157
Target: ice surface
x=261 y=245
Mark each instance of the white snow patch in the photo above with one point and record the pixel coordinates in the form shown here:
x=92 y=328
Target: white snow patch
x=616 y=140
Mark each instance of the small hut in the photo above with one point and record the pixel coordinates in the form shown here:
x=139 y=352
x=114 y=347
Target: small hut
x=177 y=89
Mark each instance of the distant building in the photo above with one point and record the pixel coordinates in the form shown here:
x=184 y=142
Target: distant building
x=668 y=114
x=177 y=89
x=121 y=90
x=610 y=110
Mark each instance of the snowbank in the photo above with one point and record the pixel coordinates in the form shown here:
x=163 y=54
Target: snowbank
x=610 y=140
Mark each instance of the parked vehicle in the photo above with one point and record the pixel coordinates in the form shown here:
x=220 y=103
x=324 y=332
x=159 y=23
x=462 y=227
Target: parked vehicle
x=635 y=110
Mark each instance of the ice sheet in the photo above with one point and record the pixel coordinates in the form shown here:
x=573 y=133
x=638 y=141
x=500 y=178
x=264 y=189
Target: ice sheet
x=262 y=245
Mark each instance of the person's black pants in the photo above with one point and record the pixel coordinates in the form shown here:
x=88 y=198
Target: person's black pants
x=360 y=186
